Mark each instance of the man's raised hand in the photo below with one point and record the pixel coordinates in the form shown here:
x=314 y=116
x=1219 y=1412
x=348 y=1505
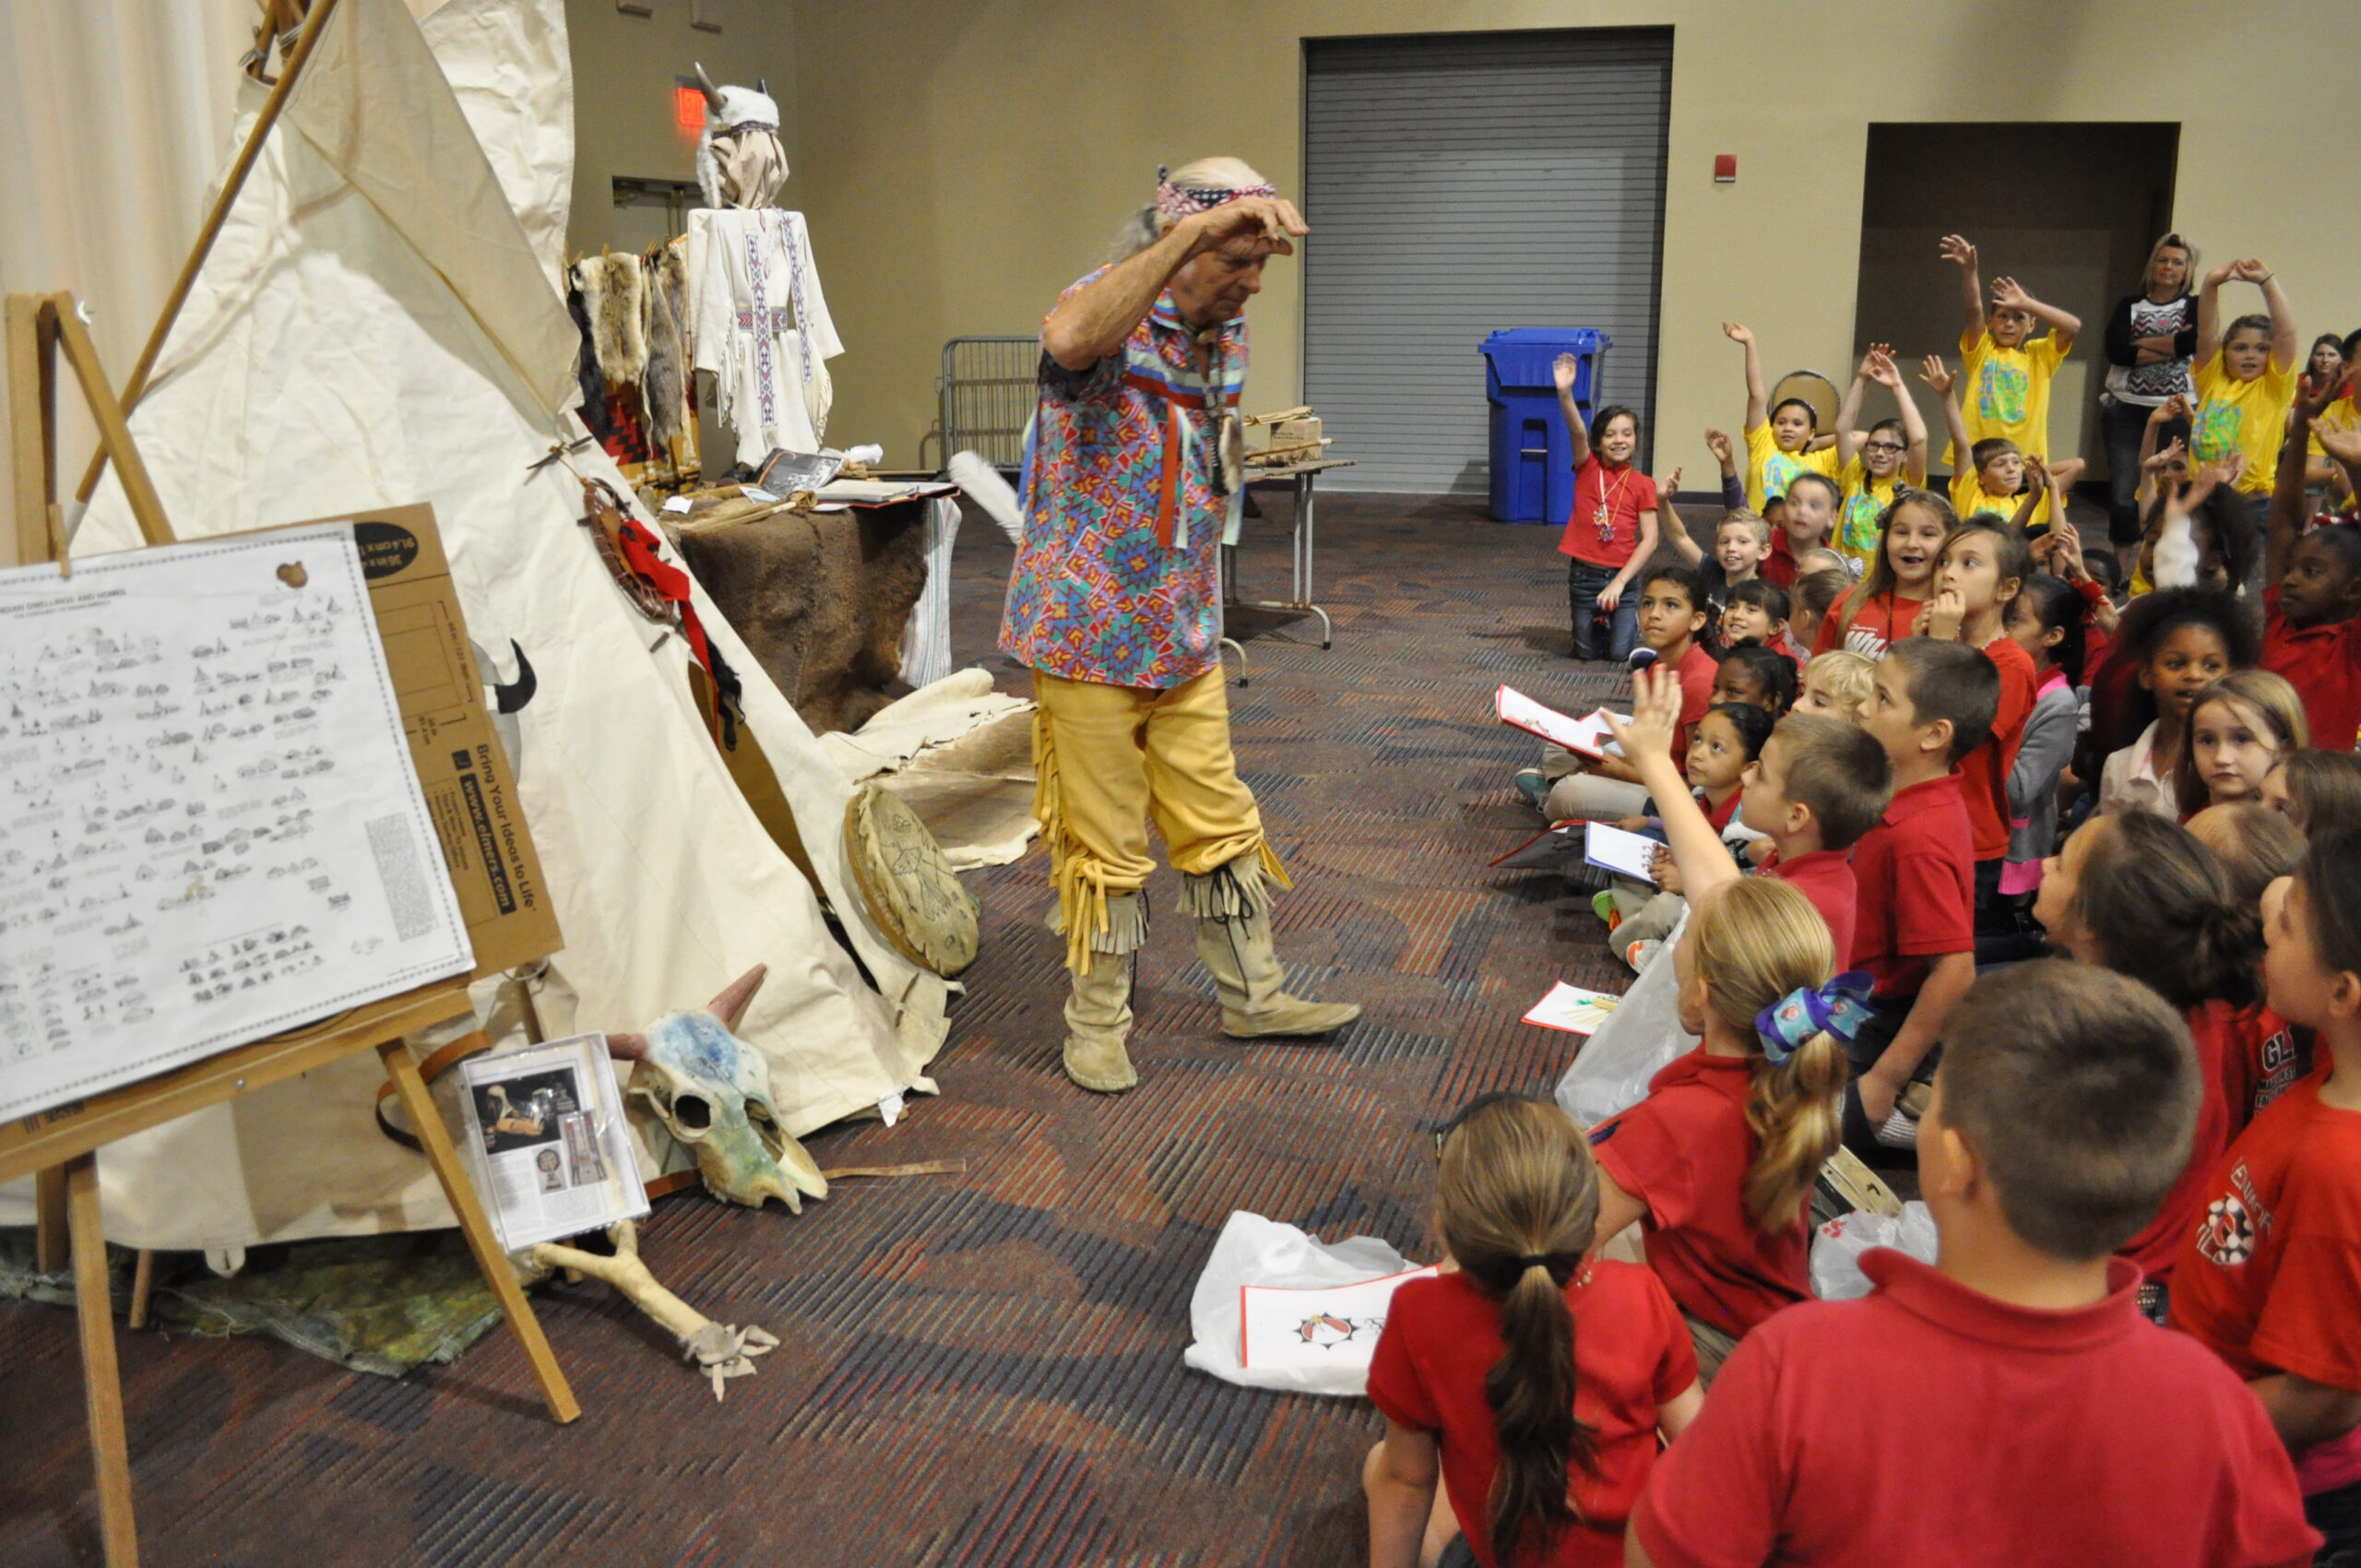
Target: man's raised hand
x=1249 y=227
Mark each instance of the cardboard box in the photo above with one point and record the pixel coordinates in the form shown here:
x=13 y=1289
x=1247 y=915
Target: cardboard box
x=470 y=791
x=1295 y=432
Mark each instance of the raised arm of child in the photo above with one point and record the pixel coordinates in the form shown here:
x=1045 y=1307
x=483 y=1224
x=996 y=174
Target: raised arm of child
x=1961 y=255
x=1758 y=396
x=1697 y=849
x=2208 y=310
x=2065 y=560
x=1887 y=374
x=1848 y=413
x=2151 y=461
x=1563 y=372
x=2284 y=522
x=1944 y=385
x=2063 y=323
x=2043 y=485
x=1675 y=530
x=1717 y=441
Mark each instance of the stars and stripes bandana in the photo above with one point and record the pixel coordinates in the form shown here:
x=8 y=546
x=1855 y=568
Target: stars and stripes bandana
x=1175 y=202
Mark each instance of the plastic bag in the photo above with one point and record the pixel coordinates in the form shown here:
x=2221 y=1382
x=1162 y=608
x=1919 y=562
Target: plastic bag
x=1640 y=1038
x=1837 y=1246
x=1252 y=1250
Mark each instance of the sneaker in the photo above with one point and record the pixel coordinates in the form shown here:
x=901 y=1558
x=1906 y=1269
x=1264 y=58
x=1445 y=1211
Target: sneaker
x=1534 y=787
x=1642 y=952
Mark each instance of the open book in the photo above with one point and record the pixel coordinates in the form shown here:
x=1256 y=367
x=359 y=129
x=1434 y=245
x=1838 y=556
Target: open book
x=1586 y=736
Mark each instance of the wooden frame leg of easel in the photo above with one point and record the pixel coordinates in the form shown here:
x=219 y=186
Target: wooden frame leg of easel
x=49 y=1221
x=427 y=1123
x=101 y=1383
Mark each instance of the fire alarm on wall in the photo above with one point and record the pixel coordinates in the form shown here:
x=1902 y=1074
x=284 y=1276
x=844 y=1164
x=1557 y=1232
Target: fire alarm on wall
x=1726 y=167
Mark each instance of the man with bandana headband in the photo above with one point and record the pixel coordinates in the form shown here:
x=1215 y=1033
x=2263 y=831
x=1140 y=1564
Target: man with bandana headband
x=1132 y=472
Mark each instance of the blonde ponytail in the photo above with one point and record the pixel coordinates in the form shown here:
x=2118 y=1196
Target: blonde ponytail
x=1758 y=940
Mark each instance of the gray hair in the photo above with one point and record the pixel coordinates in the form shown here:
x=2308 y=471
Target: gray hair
x=1146 y=225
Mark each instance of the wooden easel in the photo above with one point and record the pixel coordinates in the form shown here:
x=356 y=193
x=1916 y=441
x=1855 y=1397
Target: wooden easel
x=59 y=1146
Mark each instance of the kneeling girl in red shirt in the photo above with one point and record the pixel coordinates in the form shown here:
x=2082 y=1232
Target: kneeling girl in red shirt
x=1533 y=1380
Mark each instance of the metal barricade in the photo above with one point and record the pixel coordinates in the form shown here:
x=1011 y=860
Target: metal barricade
x=986 y=397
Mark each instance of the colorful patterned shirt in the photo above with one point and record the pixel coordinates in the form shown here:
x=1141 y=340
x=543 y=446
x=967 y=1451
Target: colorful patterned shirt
x=1115 y=582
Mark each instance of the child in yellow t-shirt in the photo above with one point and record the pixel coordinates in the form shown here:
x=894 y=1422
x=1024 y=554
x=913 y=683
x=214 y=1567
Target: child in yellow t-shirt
x=1877 y=465
x=1998 y=476
x=2245 y=377
x=1786 y=443
x=2006 y=371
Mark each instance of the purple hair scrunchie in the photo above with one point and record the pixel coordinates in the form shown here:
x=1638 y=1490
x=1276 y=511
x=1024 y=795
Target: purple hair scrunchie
x=1838 y=1008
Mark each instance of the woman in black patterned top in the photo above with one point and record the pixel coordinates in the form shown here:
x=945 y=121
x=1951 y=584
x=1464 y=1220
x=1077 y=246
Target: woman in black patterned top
x=2150 y=337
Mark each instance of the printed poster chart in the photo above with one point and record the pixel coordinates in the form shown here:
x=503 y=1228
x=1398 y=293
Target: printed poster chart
x=211 y=829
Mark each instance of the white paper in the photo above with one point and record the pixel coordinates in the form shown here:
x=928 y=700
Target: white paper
x=552 y=1156
x=1329 y=1326
x=1583 y=735
x=211 y=830
x=1573 y=1009
x=1633 y=854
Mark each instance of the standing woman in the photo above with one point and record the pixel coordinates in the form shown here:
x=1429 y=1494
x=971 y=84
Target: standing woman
x=2151 y=337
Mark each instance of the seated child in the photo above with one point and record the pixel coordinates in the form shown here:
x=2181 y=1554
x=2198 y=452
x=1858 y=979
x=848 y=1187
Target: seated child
x=2044 y=1422
x=1676 y=622
x=2319 y=790
x=2256 y=846
x=1813 y=502
x=1756 y=613
x=2140 y=895
x=2170 y=646
x=1784 y=444
x=2238 y=729
x=1982 y=569
x=1717 y=1165
x=1814 y=595
x=1532 y=1380
x=1878 y=467
x=1838 y=684
x=1612 y=530
x=2271 y=1279
x=2310 y=632
x=1915 y=931
x=1722 y=746
x=1756 y=676
x=1817 y=788
x=1884 y=606
x=1822 y=560
x=2046 y=622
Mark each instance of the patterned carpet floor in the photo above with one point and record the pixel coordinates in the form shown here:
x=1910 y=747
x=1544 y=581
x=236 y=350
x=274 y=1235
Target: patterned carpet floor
x=983 y=1369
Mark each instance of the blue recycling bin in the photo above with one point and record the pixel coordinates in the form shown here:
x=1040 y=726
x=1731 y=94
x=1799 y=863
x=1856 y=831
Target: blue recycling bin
x=1533 y=468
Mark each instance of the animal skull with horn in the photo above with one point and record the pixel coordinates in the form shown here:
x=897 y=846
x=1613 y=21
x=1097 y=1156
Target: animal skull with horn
x=739 y=159
x=712 y=1092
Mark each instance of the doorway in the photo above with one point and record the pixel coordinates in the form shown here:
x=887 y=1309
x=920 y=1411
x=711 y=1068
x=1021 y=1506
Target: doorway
x=2067 y=209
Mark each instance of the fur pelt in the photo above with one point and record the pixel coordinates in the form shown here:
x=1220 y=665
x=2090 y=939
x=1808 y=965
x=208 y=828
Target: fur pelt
x=666 y=386
x=612 y=295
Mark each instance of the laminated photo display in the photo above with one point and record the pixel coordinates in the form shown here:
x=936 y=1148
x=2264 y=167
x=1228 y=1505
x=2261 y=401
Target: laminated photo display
x=548 y=1135
x=1573 y=1009
x=213 y=828
x=1282 y=1326
x=1587 y=736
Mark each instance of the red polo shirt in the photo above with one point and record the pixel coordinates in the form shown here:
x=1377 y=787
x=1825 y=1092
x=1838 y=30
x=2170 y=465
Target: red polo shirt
x=1632 y=1354
x=1684 y=1152
x=1885 y=618
x=1696 y=668
x=1916 y=874
x=1984 y=772
x=2324 y=664
x=2212 y=1027
x=1825 y=876
x=2271 y=1275
x=2262 y=1061
x=1624 y=493
x=1928 y=1423
x=1778 y=567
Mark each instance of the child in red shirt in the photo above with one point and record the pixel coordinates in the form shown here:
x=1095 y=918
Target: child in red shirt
x=1884 y=606
x=2139 y=895
x=2309 y=631
x=1915 y=931
x=1676 y=622
x=2271 y=1275
x=2043 y=1421
x=1612 y=530
x=1527 y=1353
x=1982 y=568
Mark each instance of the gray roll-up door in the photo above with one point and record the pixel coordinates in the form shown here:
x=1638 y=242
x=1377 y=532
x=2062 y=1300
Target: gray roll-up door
x=1457 y=183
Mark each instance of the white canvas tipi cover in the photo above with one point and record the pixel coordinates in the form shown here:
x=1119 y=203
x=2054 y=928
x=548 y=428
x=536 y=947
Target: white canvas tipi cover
x=376 y=325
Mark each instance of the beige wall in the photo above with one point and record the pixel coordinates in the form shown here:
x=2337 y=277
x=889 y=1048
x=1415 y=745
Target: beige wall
x=623 y=71
x=962 y=159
